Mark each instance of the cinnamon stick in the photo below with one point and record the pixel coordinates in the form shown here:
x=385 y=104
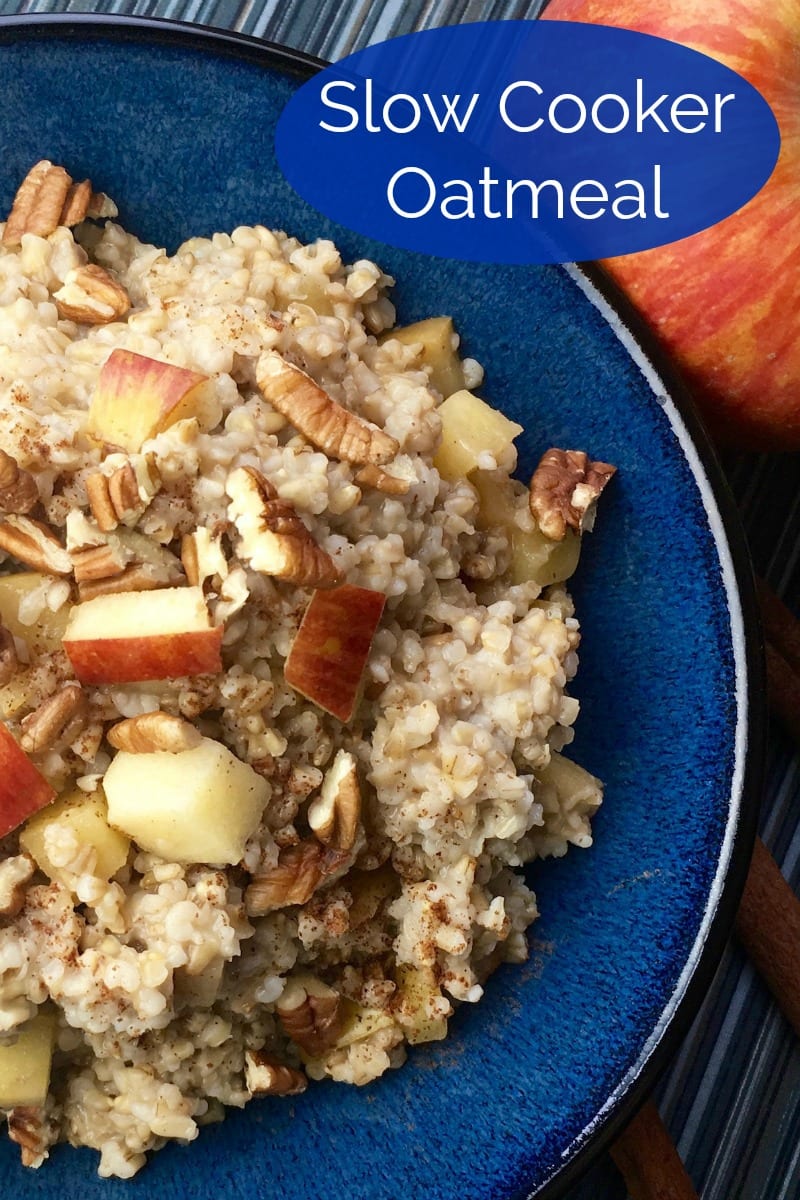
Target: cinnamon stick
x=768 y=926
x=648 y=1161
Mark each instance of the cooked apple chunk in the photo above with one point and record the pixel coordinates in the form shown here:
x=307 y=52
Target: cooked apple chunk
x=137 y=397
x=472 y=432
x=436 y=337
x=23 y=790
x=25 y=1060
x=85 y=815
x=128 y=637
x=327 y=658
x=533 y=555
x=45 y=633
x=199 y=806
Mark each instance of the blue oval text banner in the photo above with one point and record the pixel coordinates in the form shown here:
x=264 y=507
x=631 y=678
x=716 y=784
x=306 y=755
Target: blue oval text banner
x=527 y=142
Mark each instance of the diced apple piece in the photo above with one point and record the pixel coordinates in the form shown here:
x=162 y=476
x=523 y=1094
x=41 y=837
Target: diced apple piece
x=86 y=816
x=137 y=397
x=23 y=690
x=533 y=556
x=361 y=1023
x=128 y=637
x=436 y=337
x=45 y=634
x=25 y=1062
x=198 y=806
x=471 y=428
x=23 y=791
x=327 y=657
x=417 y=992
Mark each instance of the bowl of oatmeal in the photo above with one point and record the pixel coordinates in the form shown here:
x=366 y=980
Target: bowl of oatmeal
x=304 y=877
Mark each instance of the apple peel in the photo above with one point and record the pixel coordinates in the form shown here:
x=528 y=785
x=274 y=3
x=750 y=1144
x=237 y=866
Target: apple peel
x=23 y=789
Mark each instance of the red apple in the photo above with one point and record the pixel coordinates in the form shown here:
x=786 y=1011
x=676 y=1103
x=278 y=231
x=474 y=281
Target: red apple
x=137 y=397
x=724 y=302
x=327 y=658
x=23 y=790
x=128 y=637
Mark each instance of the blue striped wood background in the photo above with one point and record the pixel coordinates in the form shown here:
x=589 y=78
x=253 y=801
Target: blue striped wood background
x=731 y=1099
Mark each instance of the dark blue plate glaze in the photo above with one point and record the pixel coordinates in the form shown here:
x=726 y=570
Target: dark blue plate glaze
x=178 y=127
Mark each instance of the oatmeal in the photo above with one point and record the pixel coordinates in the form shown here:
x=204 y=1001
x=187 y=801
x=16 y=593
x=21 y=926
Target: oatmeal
x=284 y=658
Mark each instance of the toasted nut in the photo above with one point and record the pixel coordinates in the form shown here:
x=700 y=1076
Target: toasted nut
x=137 y=577
x=38 y=203
x=35 y=545
x=14 y=875
x=311 y=1014
x=29 y=1129
x=563 y=490
x=99 y=562
x=91 y=296
x=122 y=495
x=76 y=204
x=56 y=722
x=340 y=433
x=202 y=556
x=273 y=538
x=101 y=206
x=293 y=880
x=123 y=490
x=266 y=1077
x=372 y=476
x=18 y=490
x=8 y=656
x=334 y=815
x=100 y=503
x=152 y=732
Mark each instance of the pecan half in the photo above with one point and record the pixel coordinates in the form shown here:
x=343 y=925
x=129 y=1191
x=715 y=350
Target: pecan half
x=99 y=562
x=18 y=490
x=91 y=296
x=264 y=1076
x=273 y=538
x=326 y=424
x=56 y=722
x=382 y=481
x=14 y=875
x=38 y=203
x=35 y=545
x=563 y=489
x=311 y=1014
x=8 y=656
x=76 y=203
x=334 y=815
x=122 y=495
x=154 y=731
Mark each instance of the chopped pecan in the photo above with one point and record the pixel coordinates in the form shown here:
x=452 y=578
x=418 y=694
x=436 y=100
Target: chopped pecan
x=8 y=656
x=91 y=296
x=265 y=1076
x=337 y=431
x=372 y=476
x=38 y=203
x=34 y=544
x=122 y=495
x=18 y=490
x=154 y=731
x=29 y=1128
x=56 y=722
x=202 y=556
x=273 y=538
x=76 y=203
x=99 y=562
x=14 y=875
x=293 y=880
x=311 y=1014
x=334 y=815
x=137 y=577
x=563 y=489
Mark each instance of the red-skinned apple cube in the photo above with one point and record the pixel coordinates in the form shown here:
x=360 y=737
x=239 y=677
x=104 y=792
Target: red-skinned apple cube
x=327 y=658
x=137 y=397
x=129 y=637
x=23 y=790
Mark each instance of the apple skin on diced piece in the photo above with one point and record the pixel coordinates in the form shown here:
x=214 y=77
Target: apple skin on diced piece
x=25 y=1062
x=23 y=790
x=197 y=806
x=130 y=637
x=138 y=397
x=327 y=658
x=86 y=816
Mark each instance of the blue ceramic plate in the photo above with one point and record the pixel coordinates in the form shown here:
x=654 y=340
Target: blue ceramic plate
x=178 y=127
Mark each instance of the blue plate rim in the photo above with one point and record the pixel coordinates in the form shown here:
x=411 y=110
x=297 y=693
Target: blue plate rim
x=738 y=583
